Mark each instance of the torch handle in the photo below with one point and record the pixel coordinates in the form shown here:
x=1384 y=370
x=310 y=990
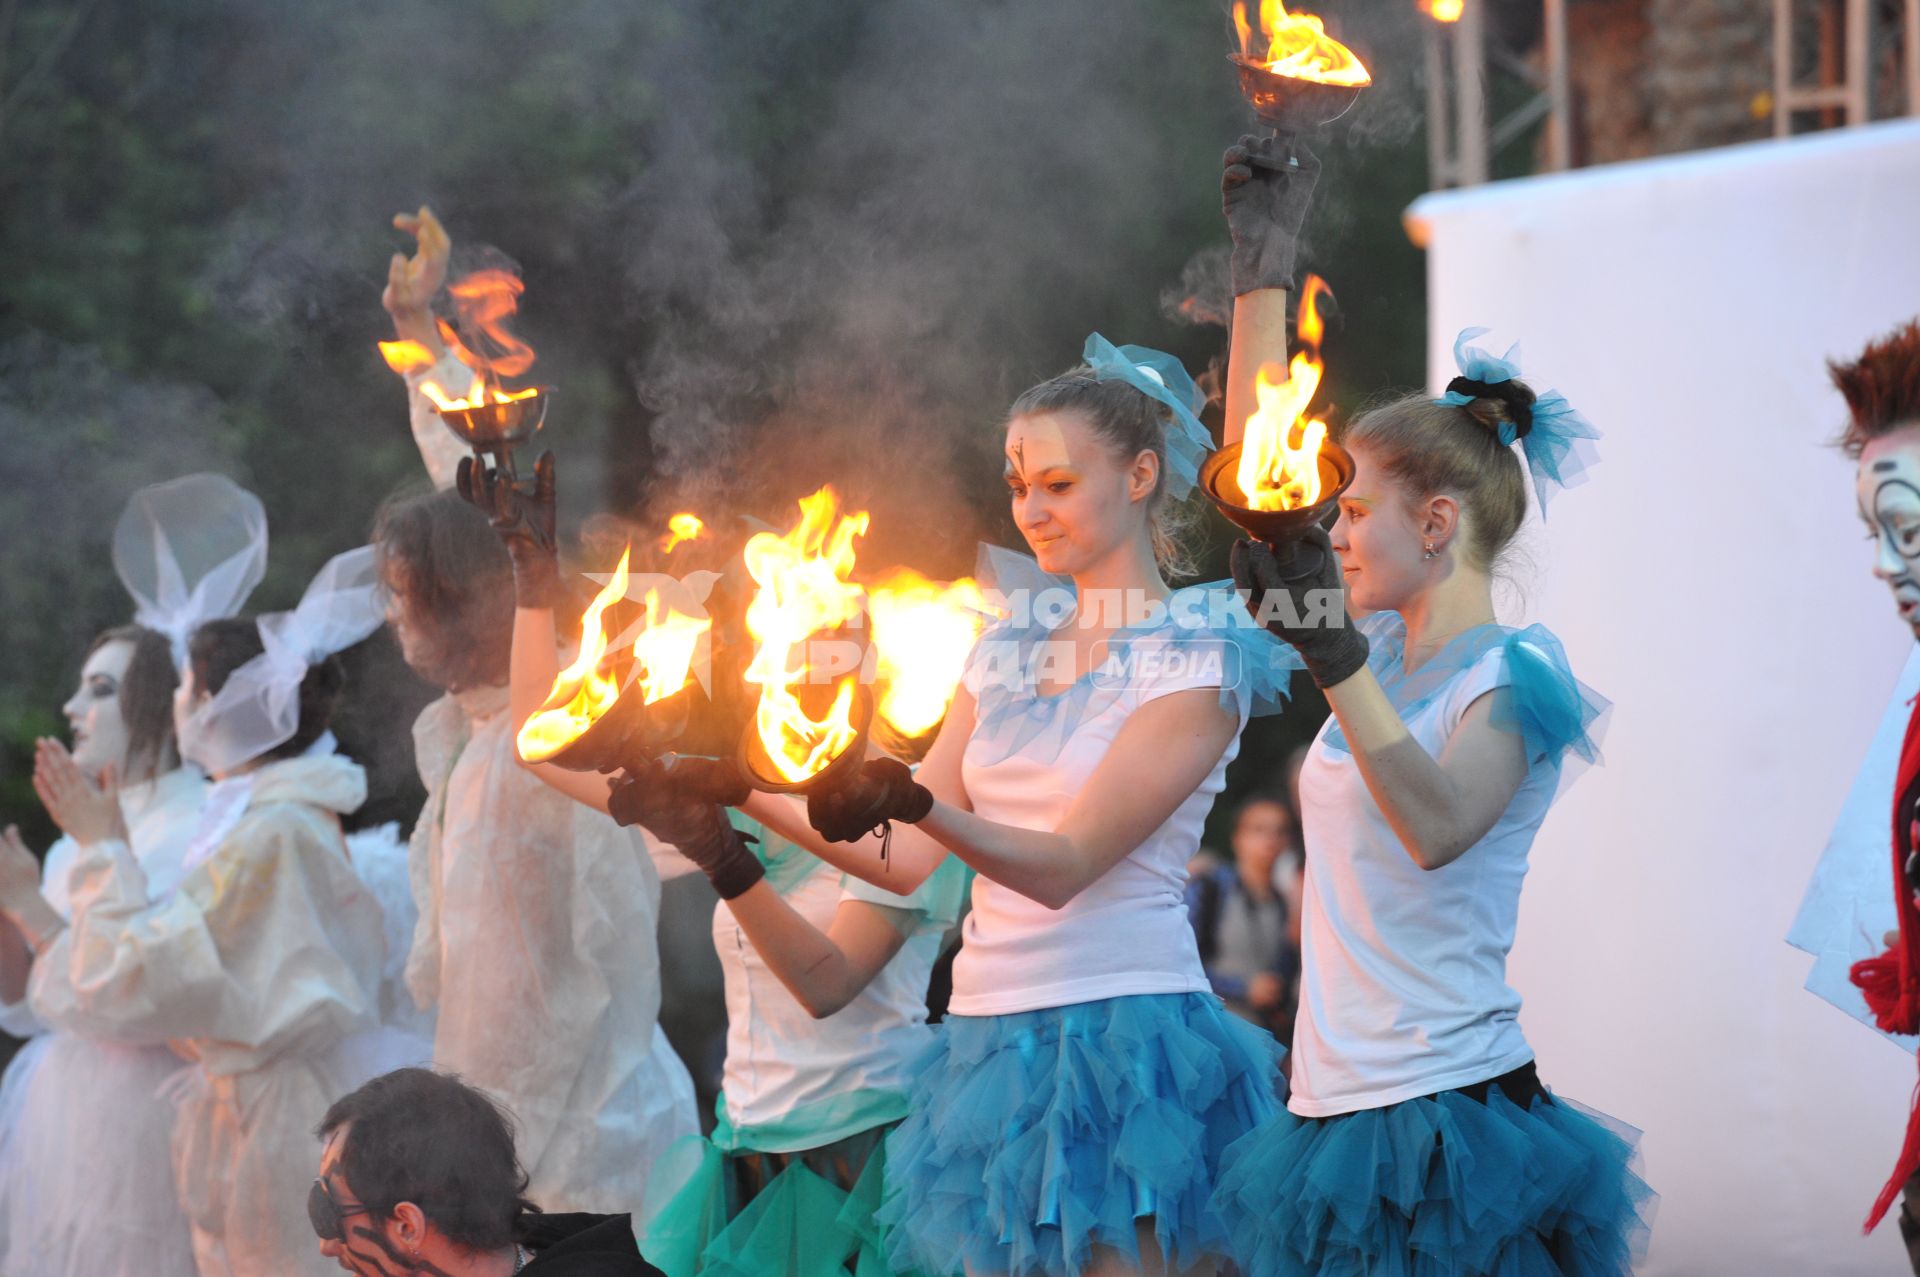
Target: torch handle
x=1286 y=555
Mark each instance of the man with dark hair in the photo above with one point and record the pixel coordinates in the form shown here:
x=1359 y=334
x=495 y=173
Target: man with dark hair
x=419 y=1176
x=1882 y=390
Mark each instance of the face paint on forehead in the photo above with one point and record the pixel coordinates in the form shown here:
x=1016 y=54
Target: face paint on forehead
x=1037 y=444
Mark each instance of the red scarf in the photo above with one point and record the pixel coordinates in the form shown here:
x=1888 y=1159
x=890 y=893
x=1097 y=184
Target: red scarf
x=1891 y=982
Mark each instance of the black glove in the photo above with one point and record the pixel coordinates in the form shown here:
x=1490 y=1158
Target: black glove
x=881 y=790
x=1265 y=193
x=679 y=801
x=524 y=521
x=1329 y=643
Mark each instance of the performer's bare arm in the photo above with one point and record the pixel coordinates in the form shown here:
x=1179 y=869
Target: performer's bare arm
x=1259 y=337
x=1439 y=807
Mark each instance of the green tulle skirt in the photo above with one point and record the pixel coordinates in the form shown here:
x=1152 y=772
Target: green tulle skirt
x=747 y=1214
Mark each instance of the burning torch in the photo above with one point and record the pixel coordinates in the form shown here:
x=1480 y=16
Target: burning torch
x=622 y=700
x=1302 y=78
x=817 y=630
x=1284 y=475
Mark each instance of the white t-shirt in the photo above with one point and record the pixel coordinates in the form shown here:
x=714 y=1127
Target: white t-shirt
x=792 y=1081
x=1128 y=932
x=1403 y=970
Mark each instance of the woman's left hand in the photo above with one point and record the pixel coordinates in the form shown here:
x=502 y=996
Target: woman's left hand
x=1303 y=603
x=525 y=520
x=88 y=812
x=882 y=790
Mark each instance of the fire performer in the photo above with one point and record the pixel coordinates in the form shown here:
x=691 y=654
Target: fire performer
x=85 y=1184
x=1420 y=799
x=1072 y=1112
x=263 y=960
x=826 y=986
x=538 y=918
x=1882 y=390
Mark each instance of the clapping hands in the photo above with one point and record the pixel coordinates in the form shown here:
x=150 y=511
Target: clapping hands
x=88 y=810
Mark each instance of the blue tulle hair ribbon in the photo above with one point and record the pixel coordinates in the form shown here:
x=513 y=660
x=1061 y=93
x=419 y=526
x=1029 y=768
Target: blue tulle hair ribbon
x=1158 y=375
x=1558 y=447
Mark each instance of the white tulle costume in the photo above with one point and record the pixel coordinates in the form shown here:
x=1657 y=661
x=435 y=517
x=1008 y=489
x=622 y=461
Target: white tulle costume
x=537 y=941
x=537 y=946
x=86 y=1182
x=262 y=965
x=257 y=969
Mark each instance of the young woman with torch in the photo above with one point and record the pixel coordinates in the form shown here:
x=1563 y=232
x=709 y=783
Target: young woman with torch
x=536 y=947
x=86 y=1186
x=1072 y=1111
x=1418 y=1136
x=826 y=982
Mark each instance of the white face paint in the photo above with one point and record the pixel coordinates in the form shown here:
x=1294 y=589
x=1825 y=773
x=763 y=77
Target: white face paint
x=100 y=735
x=1887 y=486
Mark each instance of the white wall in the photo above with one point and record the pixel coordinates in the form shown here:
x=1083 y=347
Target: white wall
x=1713 y=580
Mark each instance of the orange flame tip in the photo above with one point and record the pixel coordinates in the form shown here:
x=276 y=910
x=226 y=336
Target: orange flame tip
x=804 y=588
x=407 y=356
x=922 y=633
x=681 y=527
x=584 y=691
x=1297 y=45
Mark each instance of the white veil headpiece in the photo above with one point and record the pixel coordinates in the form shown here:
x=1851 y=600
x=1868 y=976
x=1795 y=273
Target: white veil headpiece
x=258 y=707
x=190 y=550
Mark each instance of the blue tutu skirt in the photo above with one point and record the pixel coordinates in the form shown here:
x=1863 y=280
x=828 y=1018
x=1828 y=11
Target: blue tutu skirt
x=1440 y=1186
x=1036 y=1136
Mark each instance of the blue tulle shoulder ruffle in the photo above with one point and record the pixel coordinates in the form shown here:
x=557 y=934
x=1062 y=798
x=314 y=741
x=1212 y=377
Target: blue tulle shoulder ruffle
x=1537 y=695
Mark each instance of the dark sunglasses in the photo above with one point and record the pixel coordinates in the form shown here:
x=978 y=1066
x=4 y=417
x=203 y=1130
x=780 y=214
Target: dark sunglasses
x=327 y=1216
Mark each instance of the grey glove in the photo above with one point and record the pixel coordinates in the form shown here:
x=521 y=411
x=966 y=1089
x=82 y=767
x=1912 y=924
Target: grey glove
x=524 y=521
x=1265 y=195
x=678 y=800
x=1332 y=648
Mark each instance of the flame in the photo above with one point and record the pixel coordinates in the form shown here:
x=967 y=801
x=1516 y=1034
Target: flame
x=588 y=689
x=406 y=356
x=1280 y=451
x=1297 y=45
x=922 y=632
x=584 y=691
x=681 y=527
x=804 y=588
x=665 y=649
x=485 y=300
x=1443 y=10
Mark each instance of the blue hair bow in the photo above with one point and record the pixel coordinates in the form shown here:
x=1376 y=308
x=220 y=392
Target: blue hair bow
x=1555 y=445
x=1159 y=375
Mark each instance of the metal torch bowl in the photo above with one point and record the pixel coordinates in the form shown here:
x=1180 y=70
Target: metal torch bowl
x=1289 y=103
x=625 y=734
x=764 y=776
x=1219 y=479
x=494 y=426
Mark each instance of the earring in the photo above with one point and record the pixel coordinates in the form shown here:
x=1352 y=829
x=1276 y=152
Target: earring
x=1430 y=550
